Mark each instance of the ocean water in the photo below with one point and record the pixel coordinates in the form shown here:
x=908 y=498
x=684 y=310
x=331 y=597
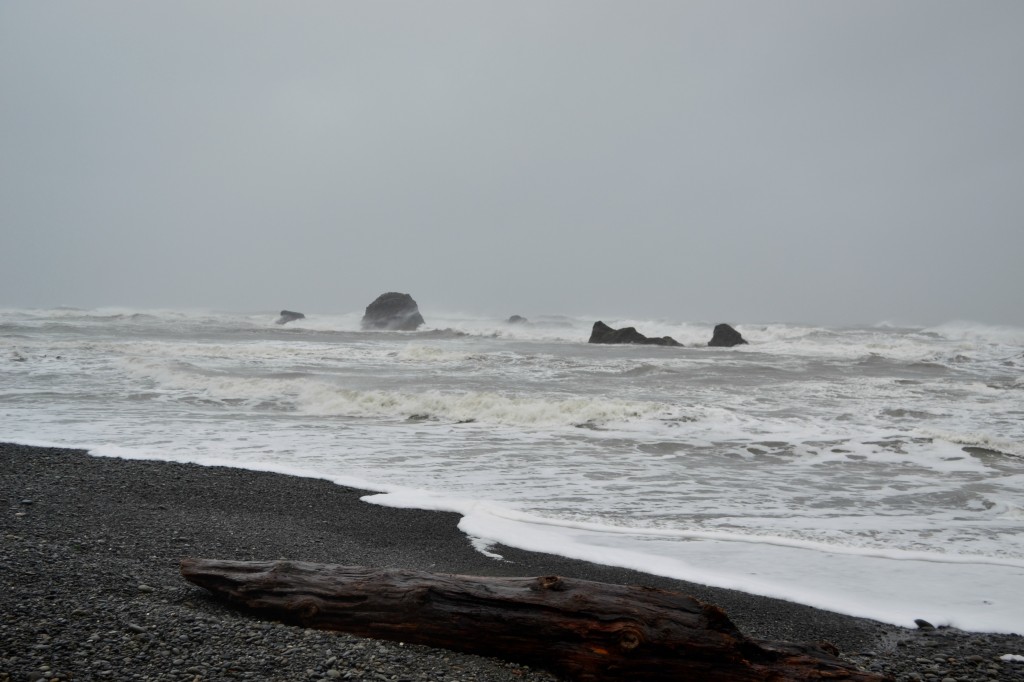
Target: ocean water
x=875 y=471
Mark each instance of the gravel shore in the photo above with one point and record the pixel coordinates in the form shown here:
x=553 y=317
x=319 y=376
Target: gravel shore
x=90 y=589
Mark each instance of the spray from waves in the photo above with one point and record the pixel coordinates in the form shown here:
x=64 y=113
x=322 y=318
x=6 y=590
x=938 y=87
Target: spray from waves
x=958 y=342
x=976 y=332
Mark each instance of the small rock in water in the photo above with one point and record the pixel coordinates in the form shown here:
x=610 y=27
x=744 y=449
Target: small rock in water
x=27 y=502
x=289 y=316
x=923 y=624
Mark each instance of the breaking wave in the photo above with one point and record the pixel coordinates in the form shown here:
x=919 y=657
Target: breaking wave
x=318 y=396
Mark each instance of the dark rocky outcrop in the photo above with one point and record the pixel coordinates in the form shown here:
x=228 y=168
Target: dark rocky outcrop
x=393 y=311
x=517 y=319
x=726 y=336
x=289 y=316
x=602 y=333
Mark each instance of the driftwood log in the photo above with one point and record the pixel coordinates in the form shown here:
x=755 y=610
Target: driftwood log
x=581 y=630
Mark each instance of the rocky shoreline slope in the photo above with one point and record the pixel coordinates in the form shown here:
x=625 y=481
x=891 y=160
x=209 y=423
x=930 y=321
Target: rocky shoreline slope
x=90 y=589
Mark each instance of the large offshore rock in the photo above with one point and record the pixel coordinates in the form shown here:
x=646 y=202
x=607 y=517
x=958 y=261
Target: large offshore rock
x=726 y=336
x=393 y=311
x=602 y=333
x=289 y=316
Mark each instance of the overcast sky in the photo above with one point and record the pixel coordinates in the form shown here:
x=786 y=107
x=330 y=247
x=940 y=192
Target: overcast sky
x=749 y=161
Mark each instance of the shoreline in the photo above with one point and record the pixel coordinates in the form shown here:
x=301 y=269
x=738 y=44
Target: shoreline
x=91 y=547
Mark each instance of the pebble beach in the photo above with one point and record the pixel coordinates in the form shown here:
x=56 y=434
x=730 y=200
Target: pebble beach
x=90 y=586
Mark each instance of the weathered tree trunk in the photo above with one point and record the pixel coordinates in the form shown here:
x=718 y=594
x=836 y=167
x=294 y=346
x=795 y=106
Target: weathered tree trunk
x=582 y=630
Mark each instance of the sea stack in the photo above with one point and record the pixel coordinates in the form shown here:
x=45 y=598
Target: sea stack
x=289 y=316
x=726 y=336
x=393 y=311
x=602 y=333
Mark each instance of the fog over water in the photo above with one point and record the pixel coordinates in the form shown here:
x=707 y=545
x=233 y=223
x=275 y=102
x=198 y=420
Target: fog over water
x=833 y=163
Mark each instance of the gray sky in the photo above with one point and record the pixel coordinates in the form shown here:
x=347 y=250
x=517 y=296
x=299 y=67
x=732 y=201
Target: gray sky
x=831 y=162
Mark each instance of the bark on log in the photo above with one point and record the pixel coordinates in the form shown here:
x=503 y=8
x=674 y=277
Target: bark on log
x=581 y=630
